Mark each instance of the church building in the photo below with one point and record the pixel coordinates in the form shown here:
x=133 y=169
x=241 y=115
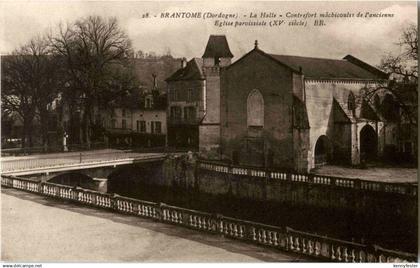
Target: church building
x=288 y=112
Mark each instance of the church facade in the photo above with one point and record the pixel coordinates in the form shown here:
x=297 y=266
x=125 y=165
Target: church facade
x=290 y=112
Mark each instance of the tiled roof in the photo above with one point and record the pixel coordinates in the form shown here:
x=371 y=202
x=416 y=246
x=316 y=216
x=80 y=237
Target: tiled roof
x=217 y=47
x=192 y=71
x=329 y=68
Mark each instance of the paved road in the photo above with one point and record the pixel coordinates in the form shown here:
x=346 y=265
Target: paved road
x=12 y=163
x=41 y=229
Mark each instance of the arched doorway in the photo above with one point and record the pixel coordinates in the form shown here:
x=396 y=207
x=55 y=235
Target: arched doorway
x=322 y=151
x=368 y=144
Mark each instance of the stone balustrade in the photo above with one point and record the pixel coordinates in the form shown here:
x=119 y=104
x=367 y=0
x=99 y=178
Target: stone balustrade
x=287 y=239
x=358 y=184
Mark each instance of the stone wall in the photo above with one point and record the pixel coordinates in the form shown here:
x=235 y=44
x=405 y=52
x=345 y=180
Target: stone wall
x=209 y=141
x=322 y=113
x=332 y=208
x=306 y=194
x=274 y=81
x=185 y=171
x=209 y=129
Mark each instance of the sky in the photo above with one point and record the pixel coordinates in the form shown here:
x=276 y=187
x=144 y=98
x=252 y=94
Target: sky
x=367 y=39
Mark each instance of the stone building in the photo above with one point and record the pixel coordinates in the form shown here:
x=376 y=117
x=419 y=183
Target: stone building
x=137 y=119
x=279 y=111
x=192 y=90
x=299 y=112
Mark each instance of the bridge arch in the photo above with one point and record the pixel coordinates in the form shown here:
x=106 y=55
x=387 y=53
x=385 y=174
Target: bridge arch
x=74 y=179
x=133 y=179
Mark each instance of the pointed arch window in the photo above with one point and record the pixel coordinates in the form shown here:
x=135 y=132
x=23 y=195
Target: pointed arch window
x=255 y=109
x=351 y=103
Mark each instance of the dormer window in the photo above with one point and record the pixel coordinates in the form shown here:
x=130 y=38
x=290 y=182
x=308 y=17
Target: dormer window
x=148 y=102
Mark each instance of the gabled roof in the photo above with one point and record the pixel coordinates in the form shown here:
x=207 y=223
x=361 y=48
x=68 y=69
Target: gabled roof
x=192 y=71
x=321 y=68
x=217 y=47
x=330 y=68
x=366 y=66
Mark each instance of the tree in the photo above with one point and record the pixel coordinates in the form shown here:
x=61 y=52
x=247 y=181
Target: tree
x=47 y=78
x=91 y=48
x=30 y=82
x=403 y=70
x=29 y=85
x=16 y=93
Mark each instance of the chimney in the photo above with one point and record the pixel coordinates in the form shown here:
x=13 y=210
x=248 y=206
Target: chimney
x=183 y=62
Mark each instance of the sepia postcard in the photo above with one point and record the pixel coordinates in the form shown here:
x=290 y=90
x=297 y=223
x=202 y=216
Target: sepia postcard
x=138 y=132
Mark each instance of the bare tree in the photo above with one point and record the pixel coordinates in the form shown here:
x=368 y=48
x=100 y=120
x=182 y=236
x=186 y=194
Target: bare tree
x=91 y=48
x=403 y=70
x=17 y=94
x=47 y=81
x=30 y=83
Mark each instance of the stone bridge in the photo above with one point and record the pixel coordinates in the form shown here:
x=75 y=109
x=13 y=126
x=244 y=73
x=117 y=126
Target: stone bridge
x=88 y=171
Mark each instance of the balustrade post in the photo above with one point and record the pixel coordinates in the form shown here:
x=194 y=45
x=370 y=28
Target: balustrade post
x=408 y=189
x=333 y=181
x=357 y=184
x=248 y=172
x=287 y=229
x=40 y=187
x=219 y=223
x=56 y=191
x=72 y=194
x=78 y=191
x=159 y=211
x=311 y=178
x=114 y=201
x=267 y=175
x=94 y=199
x=382 y=187
x=373 y=251
x=288 y=176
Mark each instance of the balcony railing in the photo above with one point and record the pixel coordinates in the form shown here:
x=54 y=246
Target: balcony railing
x=286 y=239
